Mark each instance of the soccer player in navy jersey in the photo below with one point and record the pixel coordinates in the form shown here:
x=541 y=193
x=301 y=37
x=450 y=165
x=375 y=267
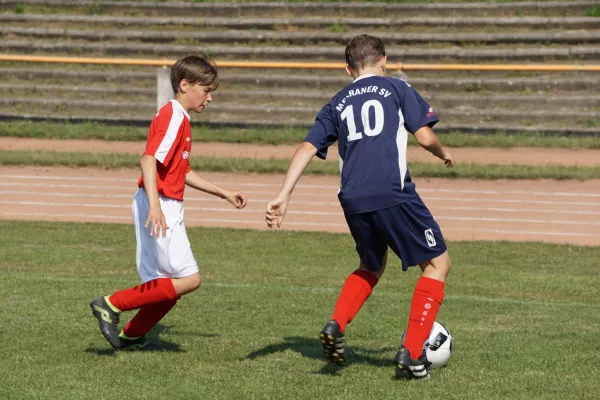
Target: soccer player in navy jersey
x=370 y=119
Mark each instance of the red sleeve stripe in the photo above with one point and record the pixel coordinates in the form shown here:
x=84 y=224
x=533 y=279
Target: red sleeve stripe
x=170 y=136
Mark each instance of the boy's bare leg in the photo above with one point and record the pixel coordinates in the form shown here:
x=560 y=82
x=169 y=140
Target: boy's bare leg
x=186 y=285
x=438 y=268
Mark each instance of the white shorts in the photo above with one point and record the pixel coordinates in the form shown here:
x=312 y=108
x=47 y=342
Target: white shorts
x=162 y=257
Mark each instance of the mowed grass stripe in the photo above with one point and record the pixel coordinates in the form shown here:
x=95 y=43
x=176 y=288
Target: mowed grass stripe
x=252 y=165
x=519 y=314
x=202 y=133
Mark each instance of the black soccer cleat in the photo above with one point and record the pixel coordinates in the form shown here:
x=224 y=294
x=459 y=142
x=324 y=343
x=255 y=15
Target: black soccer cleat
x=332 y=341
x=417 y=369
x=108 y=320
x=126 y=343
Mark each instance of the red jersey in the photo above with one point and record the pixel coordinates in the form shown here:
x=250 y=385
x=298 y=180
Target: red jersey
x=170 y=142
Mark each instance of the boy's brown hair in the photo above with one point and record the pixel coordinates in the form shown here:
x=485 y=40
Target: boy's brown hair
x=363 y=51
x=195 y=68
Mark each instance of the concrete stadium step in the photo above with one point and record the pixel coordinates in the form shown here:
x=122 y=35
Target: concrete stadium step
x=233 y=112
x=559 y=8
x=580 y=102
x=231 y=78
x=337 y=23
x=322 y=53
x=240 y=37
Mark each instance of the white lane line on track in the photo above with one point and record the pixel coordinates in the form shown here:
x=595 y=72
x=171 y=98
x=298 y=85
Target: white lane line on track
x=317 y=203
x=512 y=232
x=330 y=187
x=287 y=223
x=189 y=220
x=428 y=198
x=319 y=213
x=520 y=201
x=130 y=196
x=132 y=188
x=495 y=192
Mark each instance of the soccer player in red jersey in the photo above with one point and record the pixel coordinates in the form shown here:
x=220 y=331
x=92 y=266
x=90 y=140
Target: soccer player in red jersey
x=370 y=119
x=164 y=257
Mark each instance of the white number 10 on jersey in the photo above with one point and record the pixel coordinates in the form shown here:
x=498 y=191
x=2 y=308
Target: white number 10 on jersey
x=348 y=116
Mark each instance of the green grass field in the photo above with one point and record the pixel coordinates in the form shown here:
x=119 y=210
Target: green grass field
x=316 y=167
x=524 y=319
x=202 y=133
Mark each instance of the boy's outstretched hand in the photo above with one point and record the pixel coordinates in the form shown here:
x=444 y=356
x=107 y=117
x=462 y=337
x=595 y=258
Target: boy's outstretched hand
x=276 y=210
x=238 y=200
x=448 y=159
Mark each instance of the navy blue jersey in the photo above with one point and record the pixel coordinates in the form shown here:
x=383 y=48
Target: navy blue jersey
x=370 y=119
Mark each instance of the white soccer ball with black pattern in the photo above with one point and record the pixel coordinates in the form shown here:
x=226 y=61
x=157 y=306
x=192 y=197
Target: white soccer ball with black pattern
x=438 y=346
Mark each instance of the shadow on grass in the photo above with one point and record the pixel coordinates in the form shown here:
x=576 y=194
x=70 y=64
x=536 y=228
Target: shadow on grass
x=311 y=348
x=156 y=344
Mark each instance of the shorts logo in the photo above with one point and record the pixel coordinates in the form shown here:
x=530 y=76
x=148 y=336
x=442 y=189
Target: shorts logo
x=430 y=238
x=185 y=155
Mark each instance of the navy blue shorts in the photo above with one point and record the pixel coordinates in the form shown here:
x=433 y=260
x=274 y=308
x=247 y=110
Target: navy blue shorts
x=407 y=228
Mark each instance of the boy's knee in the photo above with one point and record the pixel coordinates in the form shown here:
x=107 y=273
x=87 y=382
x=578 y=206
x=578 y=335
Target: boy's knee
x=186 y=285
x=444 y=266
x=195 y=281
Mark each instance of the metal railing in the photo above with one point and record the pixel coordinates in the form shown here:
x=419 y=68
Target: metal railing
x=306 y=65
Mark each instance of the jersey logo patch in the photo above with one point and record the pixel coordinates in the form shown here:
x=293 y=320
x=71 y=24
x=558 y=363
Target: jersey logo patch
x=430 y=238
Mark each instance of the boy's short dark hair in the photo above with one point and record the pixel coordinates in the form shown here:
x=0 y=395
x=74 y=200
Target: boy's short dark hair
x=363 y=51
x=195 y=68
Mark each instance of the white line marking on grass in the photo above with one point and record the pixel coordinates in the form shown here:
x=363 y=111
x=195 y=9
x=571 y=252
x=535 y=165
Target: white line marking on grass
x=318 y=289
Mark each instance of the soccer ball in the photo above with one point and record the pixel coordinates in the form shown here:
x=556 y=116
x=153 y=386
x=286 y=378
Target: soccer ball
x=438 y=346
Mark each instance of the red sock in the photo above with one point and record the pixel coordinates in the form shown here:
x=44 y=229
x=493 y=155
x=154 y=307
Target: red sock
x=355 y=292
x=151 y=292
x=147 y=318
x=426 y=301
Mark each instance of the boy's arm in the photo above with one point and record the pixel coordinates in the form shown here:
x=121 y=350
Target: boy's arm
x=277 y=208
x=194 y=180
x=156 y=218
x=430 y=142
